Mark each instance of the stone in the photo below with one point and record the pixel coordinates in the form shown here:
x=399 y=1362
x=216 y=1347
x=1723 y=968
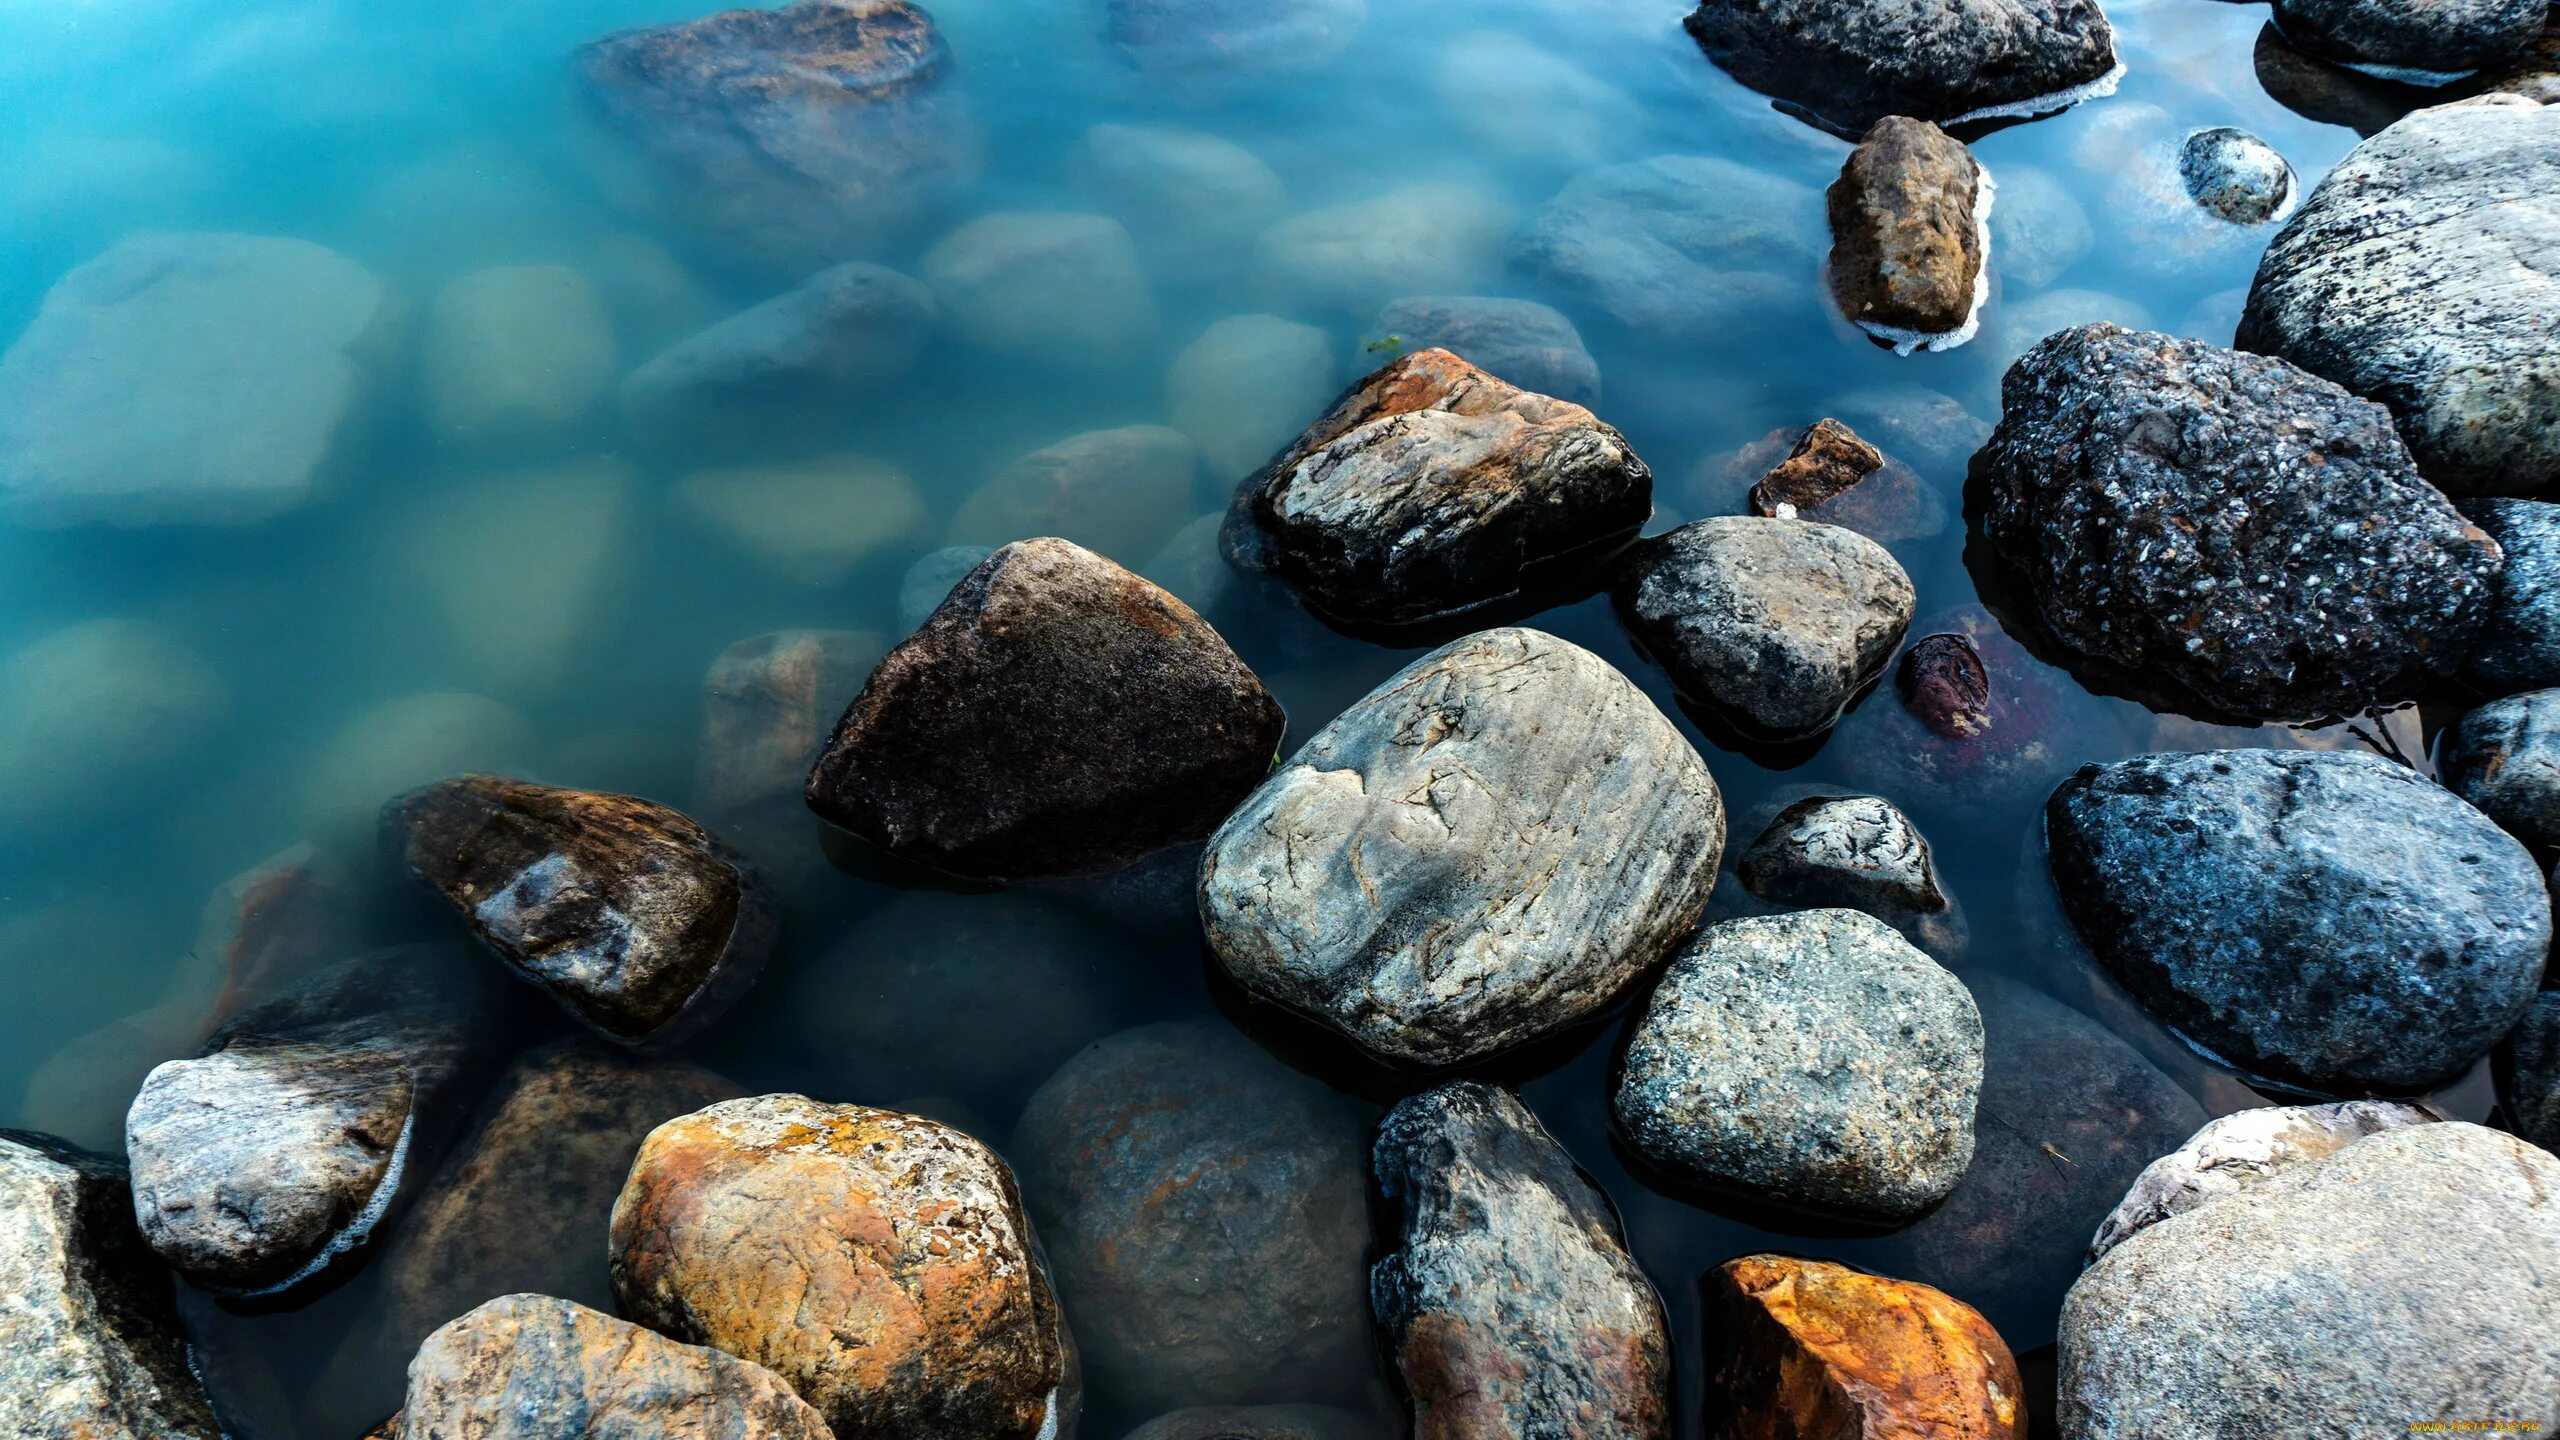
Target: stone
x=2141 y=155
x=1512 y=96
x=1976 y=721
x=1819 y=467
x=515 y=350
x=767 y=703
x=2428 y=1245
x=2224 y=528
x=1889 y=504
x=278 y=1152
x=1243 y=389
x=2403 y=40
x=1260 y=1422
x=1778 y=623
x=98 y=714
x=2519 y=646
x=1910 y=236
x=1486 y=849
x=1861 y=1354
x=775 y=1227
x=2532 y=73
x=2243 y=1149
x=930 y=579
x=1051 y=289
x=1528 y=344
x=2529 y=1073
x=819 y=343
x=2504 y=758
x=1129 y=726
x=90 y=1343
x=2039 y=230
x=2420 y=273
x=807 y=522
x=2236 y=175
x=2331 y=94
x=2020 y=327
x=1354 y=257
x=1854 y=852
x=186 y=379
x=800 y=135
x=1508 y=1299
x=1120 y=492
x=394 y=747
x=1193 y=201
x=516 y=571
x=525 y=1366
x=1207 y=1210
x=1812 y=1060
x=634 y=919
x=1189 y=40
x=1847 y=66
x=2328 y=920
x=1432 y=487
x=1679 y=247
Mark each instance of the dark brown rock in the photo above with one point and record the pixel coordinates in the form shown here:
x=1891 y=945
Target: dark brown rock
x=1823 y=464
x=1890 y=504
x=1907 y=239
x=1800 y=1349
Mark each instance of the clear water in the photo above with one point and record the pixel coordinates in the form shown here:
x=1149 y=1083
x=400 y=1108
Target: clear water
x=431 y=139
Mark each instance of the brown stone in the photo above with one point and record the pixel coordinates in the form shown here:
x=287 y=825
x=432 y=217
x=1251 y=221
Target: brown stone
x=879 y=1262
x=1889 y=504
x=1906 y=244
x=1810 y=1350
x=1826 y=462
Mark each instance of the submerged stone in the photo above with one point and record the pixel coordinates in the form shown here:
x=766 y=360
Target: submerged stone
x=818 y=343
x=1850 y=65
x=1119 y=492
x=97 y=713
x=1683 y=248
x=1865 y=1355
x=1779 y=475
x=1193 y=39
x=768 y=701
x=392 y=748
x=515 y=350
x=1354 y=257
x=1193 y=201
x=1855 y=852
x=1908 y=235
x=1974 y=721
x=1243 y=389
x=517 y=571
x=2236 y=175
x=1051 y=289
x=1824 y=463
x=1528 y=344
x=807 y=522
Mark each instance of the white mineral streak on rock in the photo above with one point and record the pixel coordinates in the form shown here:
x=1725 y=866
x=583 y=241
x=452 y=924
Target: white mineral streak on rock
x=2240 y=1150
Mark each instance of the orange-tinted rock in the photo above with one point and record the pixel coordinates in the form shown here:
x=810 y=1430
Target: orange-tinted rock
x=1810 y=1350
x=1825 y=462
x=1888 y=503
x=879 y=1262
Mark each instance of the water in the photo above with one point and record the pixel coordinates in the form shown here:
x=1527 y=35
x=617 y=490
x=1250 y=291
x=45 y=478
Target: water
x=561 y=626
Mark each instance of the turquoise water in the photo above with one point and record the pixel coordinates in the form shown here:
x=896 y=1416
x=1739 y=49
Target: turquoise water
x=548 y=604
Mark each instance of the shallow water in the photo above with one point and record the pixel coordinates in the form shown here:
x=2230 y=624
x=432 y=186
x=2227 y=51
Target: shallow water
x=429 y=140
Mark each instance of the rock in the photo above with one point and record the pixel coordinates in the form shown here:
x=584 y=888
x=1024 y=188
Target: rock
x=2157 y=498
x=1819 y=467
x=1193 y=202
x=768 y=701
x=1355 y=257
x=1854 y=852
x=2529 y=1073
x=1910 y=235
x=1510 y=1303
x=1050 y=289
x=515 y=350
x=2532 y=73
x=1976 y=722
x=1260 y=1422
x=1678 y=247
x=2143 y=157
x=2236 y=175
x=1452 y=868
x=1244 y=388
x=1889 y=504
x=2519 y=647
x=1121 y=492
x=97 y=715
x=775 y=1227
x=1189 y=40
x=397 y=746
x=1207 y=1211
x=930 y=579
x=525 y=1366
x=2504 y=758
x=2020 y=327
x=1515 y=97
x=817 y=344
x=519 y=1205
x=1812 y=1060
x=808 y=522
x=1431 y=487
x=1780 y=623
x=281 y=1149
x=1528 y=344
x=2243 y=1149
x=1129 y=724
x=2328 y=920
x=1866 y=1355
x=636 y=920
x=518 y=570
x=1846 y=67
x=2197 y=1324
x=2331 y=94
x=2403 y=40
x=2039 y=230
x=2419 y=274
x=1929 y=429
x=801 y=134
x=185 y=379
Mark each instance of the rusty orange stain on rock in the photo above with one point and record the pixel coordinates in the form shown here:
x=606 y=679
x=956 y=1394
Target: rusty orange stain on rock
x=1810 y=1350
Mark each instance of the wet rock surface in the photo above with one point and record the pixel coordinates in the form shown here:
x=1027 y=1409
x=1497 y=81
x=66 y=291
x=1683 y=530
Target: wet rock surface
x=770 y=1227
x=1780 y=623
x=2246 y=1148
x=2244 y=536
x=1889 y=504
x=1528 y=344
x=1813 y=1060
x=1509 y=1302
x=1941 y=60
x=1678 y=247
x=2519 y=646
x=2405 y=40
x=1130 y=725
x=1485 y=849
x=2504 y=758
x=2329 y=920
x=1907 y=239
x=2418 y=274
x=1860 y=1354
x=1206 y=1208
x=1853 y=852
x=821 y=341
x=2236 y=175
x=2198 y=1320
x=1820 y=466
x=1432 y=486
x=2529 y=1073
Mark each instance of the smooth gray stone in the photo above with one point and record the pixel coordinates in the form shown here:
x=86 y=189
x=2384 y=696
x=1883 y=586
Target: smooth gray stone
x=1193 y=201
x=2519 y=646
x=1485 y=849
x=2243 y=1149
x=2236 y=175
x=1679 y=247
x=825 y=338
x=2505 y=759
x=2529 y=1073
x=2419 y=40
x=1528 y=344
x=1852 y=64
x=1854 y=852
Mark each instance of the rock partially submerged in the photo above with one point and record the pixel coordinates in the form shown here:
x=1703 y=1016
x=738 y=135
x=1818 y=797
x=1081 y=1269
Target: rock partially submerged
x=1823 y=464
x=768 y=701
x=1976 y=721
x=1854 y=852
x=2236 y=175
x=2504 y=758
x=2427 y=42
x=1867 y=1355
x=1780 y=474
x=1911 y=236
x=1531 y=345
x=1685 y=248
x=2246 y=1148
x=1848 y=66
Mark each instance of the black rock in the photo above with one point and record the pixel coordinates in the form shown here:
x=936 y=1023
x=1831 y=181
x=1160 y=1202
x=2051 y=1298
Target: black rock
x=2519 y=647
x=2505 y=759
x=1852 y=64
x=2423 y=40
x=2529 y=1073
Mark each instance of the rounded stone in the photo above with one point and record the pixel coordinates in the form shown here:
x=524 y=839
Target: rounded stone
x=515 y=350
x=2246 y=1148
x=1684 y=248
x=1120 y=492
x=2426 y=41
x=1354 y=257
x=2504 y=758
x=1245 y=388
x=1846 y=66
x=1528 y=344
x=2236 y=175
x=2519 y=646
x=1193 y=201
x=1055 y=289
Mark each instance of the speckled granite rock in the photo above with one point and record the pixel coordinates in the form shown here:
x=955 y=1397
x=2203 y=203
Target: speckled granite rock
x=2430 y=1247
x=774 y=1227
x=1908 y=242
x=2420 y=273
x=1680 y=248
x=821 y=341
x=1942 y=60
x=2236 y=175
x=1814 y=1060
x=2529 y=1073
x=1484 y=850
x=2326 y=919
x=1528 y=344
x=2226 y=528
x=1260 y=1422
x=1129 y=724
x=2246 y=1148
x=1807 y=1347
x=526 y=1367
x=2504 y=758
x=89 y=1341
x=1854 y=852
x=638 y=921
x=2519 y=646
x=1509 y=1302
x=1430 y=487
x=2419 y=40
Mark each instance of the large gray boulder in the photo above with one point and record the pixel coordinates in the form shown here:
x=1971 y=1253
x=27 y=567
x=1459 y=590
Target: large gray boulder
x=2505 y=759
x=2424 y=272
x=1485 y=849
x=2519 y=646
x=2427 y=41
x=1678 y=247
x=1850 y=65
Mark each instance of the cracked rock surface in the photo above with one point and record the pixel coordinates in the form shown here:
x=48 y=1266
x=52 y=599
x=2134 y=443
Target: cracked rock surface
x=1870 y=1356
x=1854 y=64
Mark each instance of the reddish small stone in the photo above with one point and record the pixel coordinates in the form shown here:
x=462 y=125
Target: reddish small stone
x=1825 y=462
x=1810 y=1350
x=1944 y=683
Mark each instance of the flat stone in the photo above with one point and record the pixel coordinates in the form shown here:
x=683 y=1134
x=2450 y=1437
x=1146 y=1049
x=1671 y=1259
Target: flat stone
x=1889 y=504
x=822 y=341
x=1853 y=852
x=1484 y=850
x=2504 y=758
x=2529 y=1073
x=1847 y=66
x=515 y=350
x=1872 y=1356
x=2236 y=175
x=2519 y=646
x=1355 y=257
x=1245 y=387
x=1823 y=464
x=1193 y=201
x=1528 y=344
x=807 y=522
x=2408 y=40
x=1121 y=492
x=1678 y=247
x=1908 y=234
x=2246 y=1148
x=1051 y=289
x=97 y=713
